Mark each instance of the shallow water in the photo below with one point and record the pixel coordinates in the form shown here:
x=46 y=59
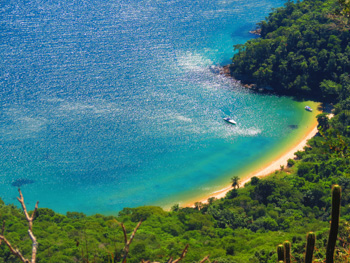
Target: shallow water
x=109 y=104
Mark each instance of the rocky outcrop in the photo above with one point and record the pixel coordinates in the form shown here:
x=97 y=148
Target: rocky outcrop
x=227 y=71
x=245 y=82
x=256 y=32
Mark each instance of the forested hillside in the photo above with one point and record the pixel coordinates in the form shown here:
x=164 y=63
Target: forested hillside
x=303 y=50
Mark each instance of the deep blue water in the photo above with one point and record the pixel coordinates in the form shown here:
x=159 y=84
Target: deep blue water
x=108 y=104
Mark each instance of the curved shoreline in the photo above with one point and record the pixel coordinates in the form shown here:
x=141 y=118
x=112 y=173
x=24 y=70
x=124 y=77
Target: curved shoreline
x=269 y=167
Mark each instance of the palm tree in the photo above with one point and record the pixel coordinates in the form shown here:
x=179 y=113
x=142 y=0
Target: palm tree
x=235 y=182
x=198 y=205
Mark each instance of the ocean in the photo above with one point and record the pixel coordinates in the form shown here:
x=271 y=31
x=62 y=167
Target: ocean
x=113 y=104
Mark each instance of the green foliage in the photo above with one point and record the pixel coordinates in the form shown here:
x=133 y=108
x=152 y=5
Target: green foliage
x=235 y=182
x=345 y=7
x=300 y=51
x=254 y=180
x=254 y=219
x=323 y=122
x=290 y=162
x=144 y=212
x=75 y=215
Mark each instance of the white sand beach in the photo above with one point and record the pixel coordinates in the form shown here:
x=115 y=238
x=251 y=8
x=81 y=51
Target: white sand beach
x=269 y=167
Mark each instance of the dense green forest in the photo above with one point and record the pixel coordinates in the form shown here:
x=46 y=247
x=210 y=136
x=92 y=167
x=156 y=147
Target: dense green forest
x=303 y=50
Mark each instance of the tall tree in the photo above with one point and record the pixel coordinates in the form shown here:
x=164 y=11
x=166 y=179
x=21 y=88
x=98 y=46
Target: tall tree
x=235 y=182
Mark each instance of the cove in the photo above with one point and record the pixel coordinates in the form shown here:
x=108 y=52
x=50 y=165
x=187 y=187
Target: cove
x=112 y=104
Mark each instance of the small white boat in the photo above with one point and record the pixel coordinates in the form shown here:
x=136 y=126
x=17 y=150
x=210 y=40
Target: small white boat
x=230 y=120
x=308 y=108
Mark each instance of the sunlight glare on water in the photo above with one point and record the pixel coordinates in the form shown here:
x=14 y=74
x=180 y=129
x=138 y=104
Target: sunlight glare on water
x=112 y=104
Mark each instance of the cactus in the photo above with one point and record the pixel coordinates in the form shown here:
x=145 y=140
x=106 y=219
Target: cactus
x=280 y=253
x=287 y=248
x=310 y=246
x=336 y=194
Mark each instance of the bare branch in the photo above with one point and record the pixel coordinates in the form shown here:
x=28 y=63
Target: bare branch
x=127 y=243
x=21 y=200
x=180 y=258
x=182 y=255
x=2 y=230
x=34 y=245
x=14 y=251
x=29 y=218
x=3 y=227
x=125 y=235
x=133 y=233
x=205 y=259
x=35 y=210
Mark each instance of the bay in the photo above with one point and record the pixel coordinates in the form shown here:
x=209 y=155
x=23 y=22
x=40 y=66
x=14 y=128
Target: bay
x=112 y=104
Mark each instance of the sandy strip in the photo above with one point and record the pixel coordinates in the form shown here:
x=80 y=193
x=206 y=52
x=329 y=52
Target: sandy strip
x=270 y=167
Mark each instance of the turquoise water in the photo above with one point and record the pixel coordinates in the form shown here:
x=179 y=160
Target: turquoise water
x=112 y=104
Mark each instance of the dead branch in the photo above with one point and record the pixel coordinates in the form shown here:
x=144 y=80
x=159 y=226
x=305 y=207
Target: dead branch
x=127 y=243
x=180 y=258
x=205 y=259
x=15 y=251
x=2 y=231
x=29 y=218
x=182 y=255
x=125 y=235
x=34 y=245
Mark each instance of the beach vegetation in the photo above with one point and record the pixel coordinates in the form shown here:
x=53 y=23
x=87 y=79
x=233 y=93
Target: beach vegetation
x=323 y=121
x=235 y=182
x=303 y=51
x=290 y=162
